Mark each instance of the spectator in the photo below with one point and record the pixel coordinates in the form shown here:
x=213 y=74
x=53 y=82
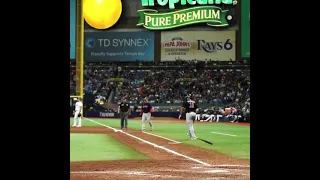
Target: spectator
x=110 y=82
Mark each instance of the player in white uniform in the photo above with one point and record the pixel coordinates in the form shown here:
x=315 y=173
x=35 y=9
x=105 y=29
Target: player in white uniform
x=198 y=117
x=209 y=117
x=77 y=114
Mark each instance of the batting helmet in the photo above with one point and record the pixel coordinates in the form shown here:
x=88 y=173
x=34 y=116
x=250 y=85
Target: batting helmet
x=190 y=96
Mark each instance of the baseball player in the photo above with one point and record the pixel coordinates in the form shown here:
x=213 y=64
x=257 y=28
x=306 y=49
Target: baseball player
x=198 y=115
x=146 y=111
x=234 y=115
x=124 y=111
x=189 y=107
x=209 y=116
x=78 y=112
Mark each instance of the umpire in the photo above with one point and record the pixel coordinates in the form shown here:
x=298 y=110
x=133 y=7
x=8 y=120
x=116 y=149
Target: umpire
x=124 y=110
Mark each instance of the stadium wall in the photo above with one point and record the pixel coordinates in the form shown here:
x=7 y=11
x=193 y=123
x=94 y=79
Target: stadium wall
x=100 y=114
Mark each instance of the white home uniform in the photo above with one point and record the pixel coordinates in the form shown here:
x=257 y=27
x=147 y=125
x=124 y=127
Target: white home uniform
x=198 y=117
x=78 y=110
x=209 y=117
x=222 y=113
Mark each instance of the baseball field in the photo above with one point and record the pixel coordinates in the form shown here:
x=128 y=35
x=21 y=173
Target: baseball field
x=100 y=150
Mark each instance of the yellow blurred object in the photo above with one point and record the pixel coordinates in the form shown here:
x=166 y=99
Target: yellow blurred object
x=102 y=14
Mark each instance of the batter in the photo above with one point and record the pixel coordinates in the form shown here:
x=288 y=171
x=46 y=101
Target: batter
x=189 y=107
x=146 y=111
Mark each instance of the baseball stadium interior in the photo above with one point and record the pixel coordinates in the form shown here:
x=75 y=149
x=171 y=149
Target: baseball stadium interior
x=159 y=104
x=217 y=86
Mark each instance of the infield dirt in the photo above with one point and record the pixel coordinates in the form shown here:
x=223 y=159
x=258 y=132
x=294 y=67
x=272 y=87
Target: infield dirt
x=162 y=165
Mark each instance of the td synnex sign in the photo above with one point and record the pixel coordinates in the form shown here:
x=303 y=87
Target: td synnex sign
x=119 y=46
x=123 y=42
x=105 y=43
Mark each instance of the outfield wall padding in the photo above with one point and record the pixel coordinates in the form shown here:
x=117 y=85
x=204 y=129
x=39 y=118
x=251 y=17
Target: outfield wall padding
x=102 y=114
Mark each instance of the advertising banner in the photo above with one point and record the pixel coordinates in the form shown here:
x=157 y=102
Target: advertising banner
x=73 y=7
x=163 y=15
x=119 y=46
x=200 y=45
x=245 y=29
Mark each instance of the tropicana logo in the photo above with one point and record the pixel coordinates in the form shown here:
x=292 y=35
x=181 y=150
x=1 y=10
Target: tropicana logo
x=212 y=15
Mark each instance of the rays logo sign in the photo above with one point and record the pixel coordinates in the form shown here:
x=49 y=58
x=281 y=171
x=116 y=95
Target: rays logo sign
x=206 y=13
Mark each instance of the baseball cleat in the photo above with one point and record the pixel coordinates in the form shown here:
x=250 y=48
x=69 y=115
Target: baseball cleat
x=74 y=126
x=78 y=126
x=194 y=138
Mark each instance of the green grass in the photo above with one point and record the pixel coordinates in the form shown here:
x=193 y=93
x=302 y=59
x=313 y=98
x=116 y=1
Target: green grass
x=237 y=147
x=99 y=147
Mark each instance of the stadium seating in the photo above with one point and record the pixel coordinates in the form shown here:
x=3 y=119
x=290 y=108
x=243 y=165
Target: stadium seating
x=166 y=84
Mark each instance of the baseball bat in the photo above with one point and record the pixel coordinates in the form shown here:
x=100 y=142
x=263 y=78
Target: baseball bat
x=208 y=142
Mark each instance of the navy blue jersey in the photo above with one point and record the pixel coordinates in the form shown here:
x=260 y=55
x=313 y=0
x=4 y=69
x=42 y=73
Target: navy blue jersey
x=124 y=107
x=146 y=108
x=190 y=106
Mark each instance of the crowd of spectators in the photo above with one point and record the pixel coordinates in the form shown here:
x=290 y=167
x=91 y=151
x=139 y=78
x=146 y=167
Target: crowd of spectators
x=167 y=82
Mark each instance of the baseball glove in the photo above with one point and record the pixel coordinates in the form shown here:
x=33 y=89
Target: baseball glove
x=79 y=115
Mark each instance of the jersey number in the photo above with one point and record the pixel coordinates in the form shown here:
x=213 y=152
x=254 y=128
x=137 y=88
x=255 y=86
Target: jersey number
x=191 y=104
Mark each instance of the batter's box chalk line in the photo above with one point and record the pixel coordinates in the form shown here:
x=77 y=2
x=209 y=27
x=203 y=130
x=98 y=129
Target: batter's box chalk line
x=138 y=173
x=173 y=143
x=153 y=144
